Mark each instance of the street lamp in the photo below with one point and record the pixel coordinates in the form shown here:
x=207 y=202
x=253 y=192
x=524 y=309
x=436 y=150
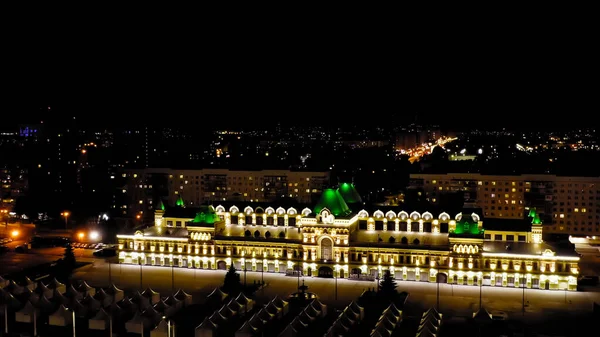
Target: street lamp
x=66 y=215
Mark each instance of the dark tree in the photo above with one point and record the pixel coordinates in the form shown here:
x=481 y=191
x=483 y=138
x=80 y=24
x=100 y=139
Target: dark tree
x=69 y=257
x=387 y=286
x=232 y=283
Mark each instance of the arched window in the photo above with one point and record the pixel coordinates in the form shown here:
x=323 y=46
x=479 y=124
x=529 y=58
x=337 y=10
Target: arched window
x=267 y=234
x=257 y=234
x=404 y=240
x=281 y=235
x=248 y=233
x=392 y=239
x=416 y=241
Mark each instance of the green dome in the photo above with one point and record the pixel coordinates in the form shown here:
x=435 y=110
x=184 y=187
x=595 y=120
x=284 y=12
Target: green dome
x=349 y=193
x=334 y=202
x=206 y=214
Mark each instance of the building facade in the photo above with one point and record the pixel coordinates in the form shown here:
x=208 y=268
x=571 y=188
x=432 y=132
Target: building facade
x=569 y=205
x=340 y=237
x=144 y=187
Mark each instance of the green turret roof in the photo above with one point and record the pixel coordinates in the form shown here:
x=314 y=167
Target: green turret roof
x=536 y=220
x=206 y=214
x=180 y=202
x=467 y=225
x=161 y=205
x=349 y=193
x=334 y=202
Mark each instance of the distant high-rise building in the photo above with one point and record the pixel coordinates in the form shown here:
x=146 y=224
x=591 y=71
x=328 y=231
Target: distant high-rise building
x=569 y=205
x=145 y=187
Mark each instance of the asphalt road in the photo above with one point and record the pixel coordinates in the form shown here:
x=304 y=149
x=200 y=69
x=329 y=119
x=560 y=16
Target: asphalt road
x=454 y=300
x=11 y=262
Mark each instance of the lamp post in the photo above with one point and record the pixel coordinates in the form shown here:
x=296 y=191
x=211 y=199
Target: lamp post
x=245 y=271
x=335 y=277
x=66 y=215
x=523 y=285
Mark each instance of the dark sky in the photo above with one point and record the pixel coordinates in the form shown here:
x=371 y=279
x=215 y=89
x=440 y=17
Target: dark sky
x=488 y=82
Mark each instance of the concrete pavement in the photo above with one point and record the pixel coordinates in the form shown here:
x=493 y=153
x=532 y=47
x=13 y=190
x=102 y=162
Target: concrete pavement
x=454 y=300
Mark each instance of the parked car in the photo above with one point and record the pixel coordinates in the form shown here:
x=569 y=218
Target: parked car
x=105 y=252
x=21 y=249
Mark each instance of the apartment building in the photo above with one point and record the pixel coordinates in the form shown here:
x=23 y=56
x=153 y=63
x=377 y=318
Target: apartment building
x=569 y=205
x=195 y=187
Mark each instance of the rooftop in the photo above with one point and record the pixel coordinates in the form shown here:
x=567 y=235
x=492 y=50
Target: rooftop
x=508 y=225
x=497 y=247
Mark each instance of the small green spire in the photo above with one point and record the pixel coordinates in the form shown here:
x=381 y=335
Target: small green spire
x=161 y=205
x=536 y=220
x=180 y=202
x=532 y=213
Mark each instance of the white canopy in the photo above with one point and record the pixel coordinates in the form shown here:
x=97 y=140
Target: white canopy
x=3 y=282
x=45 y=305
x=29 y=283
x=162 y=329
x=55 y=284
x=152 y=295
x=71 y=292
x=135 y=324
x=13 y=288
x=116 y=293
x=26 y=314
x=58 y=298
x=87 y=289
x=91 y=303
x=216 y=294
x=183 y=296
x=99 y=322
x=61 y=317
x=173 y=302
x=43 y=290
x=206 y=329
x=246 y=330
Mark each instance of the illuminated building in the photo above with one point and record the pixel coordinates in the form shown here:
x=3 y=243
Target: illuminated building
x=568 y=205
x=147 y=186
x=340 y=237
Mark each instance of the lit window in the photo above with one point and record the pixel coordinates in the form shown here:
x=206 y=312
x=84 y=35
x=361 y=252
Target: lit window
x=176 y=192
x=440 y=188
x=307 y=179
x=583 y=210
x=434 y=181
x=480 y=183
x=307 y=190
x=513 y=202
x=493 y=195
x=296 y=190
x=513 y=183
x=124 y=175
x=433 y=200
x=135 y=175
x=141 y=201
x=245 y=194
x=562 y=216
x=124 y=191
x=493 y=183
x=576 y=210
x=180 y=187
x=514 y=189
x=170 y=176
x=181 y=176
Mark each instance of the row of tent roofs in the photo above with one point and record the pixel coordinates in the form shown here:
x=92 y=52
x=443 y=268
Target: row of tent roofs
x=348 y=318
x=389 y=319
x=302 y=323
x=236 y=307
x=59 y=303
x=430 y=323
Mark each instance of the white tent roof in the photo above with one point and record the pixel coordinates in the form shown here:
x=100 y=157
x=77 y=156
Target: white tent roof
x=72 y=292
x=84 y=287
x=207 y=324
x=181 y=294
x=242 y=299
x=217 y=294
x=61 y=311
x=172 y=301
x=161 y=306
x=163 y=326
x=55 y=284
x=28 y=308
x=14 y=288
x=149 y=292
x=58 y=298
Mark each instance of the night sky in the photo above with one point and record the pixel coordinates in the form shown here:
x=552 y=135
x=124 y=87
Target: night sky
x=524 y=86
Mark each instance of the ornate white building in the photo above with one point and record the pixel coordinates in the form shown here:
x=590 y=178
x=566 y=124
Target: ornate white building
x=341 y=237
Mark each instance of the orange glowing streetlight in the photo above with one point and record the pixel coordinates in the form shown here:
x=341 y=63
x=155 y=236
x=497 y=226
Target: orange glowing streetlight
x=66 y=215
x=15 y=233
x=81 y=235
x=138 y=216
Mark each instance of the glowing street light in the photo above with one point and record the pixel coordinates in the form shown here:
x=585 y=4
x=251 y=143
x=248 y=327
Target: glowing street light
x=15 y=233
x=94 y=235
x=81 y=235
x=66 y=215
